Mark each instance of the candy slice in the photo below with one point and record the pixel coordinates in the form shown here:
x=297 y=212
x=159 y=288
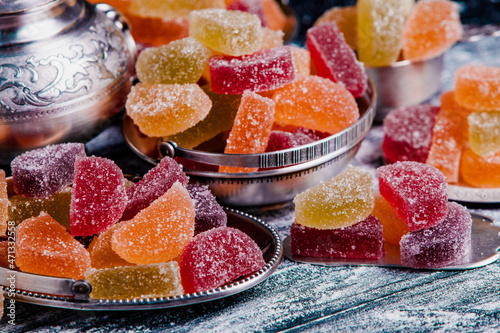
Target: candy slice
x=99 y=197
x=250 y=6
x=416 y=191
x=166 y=109
x=441 y=245
x=279 y=140
x=484 y=132
x=159 y=232
x=479 y=171
x=345 y=18
x=309 y=101
x=302 y=60
x=42 y=172
x=264 y=70
x=334 y=59
x=218 y=256
x=209 y=214
x=133 y=282
x=43 y=246
x=4 y=203
x=477 y=87
x=394 y=228
x=339 y=202
x=101 y=253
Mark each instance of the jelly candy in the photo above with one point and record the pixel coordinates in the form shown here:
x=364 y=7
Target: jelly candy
x=416 y=191
x=42 y=172
x=101 y=253
x=251 y=129
x=264 y=70
x=250 y=6
x=218 y=256
x=345 y=18
x=275 y=18
x=279 y=140
x=309 y=101
x=334 y=59
x=380 y=29
x=181 y=61
x=338 y=202
x=4 y=203
x=157 y=31
x=480 y=171
x=134 y=282
x=394 y=228
x=432 y=27
x=315 y=135
x=209 y=214
x=271 y=38
x=99 y=197
x=43 y=246
x=153 y=185
x=302 y=60
x=232 y=33
x=171 y=8
x=363 y=240
x=484 y=132
x=159 y=232
x=6 y=249
x=448 y=102
x=166 y=109
x=477 y=87
x=408 y=133
x=441 y=245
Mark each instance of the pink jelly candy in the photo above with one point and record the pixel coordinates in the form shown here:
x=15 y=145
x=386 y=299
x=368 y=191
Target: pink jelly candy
x=363 y=240
x=250 y=6
x=408 y=133
x=334 y=58
x=42 y=172
x=416 y=191
x=209 y=214
x=218 y=256
x=279 y=140
x=264 y=70
x=441 y=245
x=99 y=196
x=313 y=134
x=153 y=185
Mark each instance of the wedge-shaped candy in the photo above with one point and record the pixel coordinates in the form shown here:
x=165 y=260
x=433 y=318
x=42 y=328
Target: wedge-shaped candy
x=363 y=240
x=479 y=171
x=171 y=9
x=477 y=87
x=230 y=32
x=134 y=282
x=42 y=172
x=334 y=59
x=4 y=203
x=209 y=214
x=339 y=202
x=394 y=227
x=218 y=256
x=264 y=70
x=159 y=232
x=416 y=191
x=308 y=102
x=99 y=197
x=43 y=246
x=345 y=18
x=279 y=140
x=441 y=245
x=484 y=132
x=101 y=253
x=250 y=6
x=166 y=109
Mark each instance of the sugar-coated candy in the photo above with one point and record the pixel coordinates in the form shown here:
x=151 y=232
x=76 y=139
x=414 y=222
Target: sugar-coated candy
x=345 y=18
x=308 y=102
x=302 y=60
x=264 y=70
x=232 y=33
x=250 y=6
x=480 y=171
x=209 y=213
x=363 y=240
x=334 y=59
x=380 y=29
x=99 y=196
x=157 y=31
x=42 y=172
x=218 y=256
x=272 y=38
x=4 y=203
x=477 y=87
x=408 y=133
x=6 y=249
x=275 y=18
x=315 y=135
x=135 y=282
x=441 y=245
x=153 y=185
x=416 y=191
x=339 y=202
x=432 y=27
x=171 y=8
x=166 y=109
x=484 y=132
x=251 y=128
x=181 y=61
x=279 y=140
x=101 y=253
x=43 y=246
x=159 y=232
x=394 y=228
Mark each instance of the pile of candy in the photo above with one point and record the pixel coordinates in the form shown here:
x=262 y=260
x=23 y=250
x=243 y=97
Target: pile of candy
x=344 y=218
x=461 y=137
x=76 y=216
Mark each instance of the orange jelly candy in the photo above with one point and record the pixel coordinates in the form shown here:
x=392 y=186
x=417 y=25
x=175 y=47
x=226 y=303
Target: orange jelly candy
x=479 y=171
x=275 y=18
x=159 y=232
x=4 y=203
x=101 y=253
x=157 y=31
x=477 y=87
x=393 y=227
x=302 y=60
x=43 y=246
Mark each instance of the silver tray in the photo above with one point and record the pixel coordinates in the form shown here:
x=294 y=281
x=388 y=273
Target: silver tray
x=71 y=294
x=464 y=193
x=484 y=245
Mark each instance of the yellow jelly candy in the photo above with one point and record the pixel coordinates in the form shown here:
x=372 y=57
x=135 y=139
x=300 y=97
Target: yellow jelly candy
x=346 y=18
x=484 y=132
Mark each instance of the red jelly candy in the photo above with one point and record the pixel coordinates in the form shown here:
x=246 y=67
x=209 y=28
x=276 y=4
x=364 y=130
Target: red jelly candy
x=250 y=6
x=218 y=256
x=279 y=140
x=209 y=214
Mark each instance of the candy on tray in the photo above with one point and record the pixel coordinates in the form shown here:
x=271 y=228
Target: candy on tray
x=279 y=140
x=345 y=18
x=218 y=256
x=101 y=253
x=484 y=132
x=4 y=203
x=480 y=171
x=394 y=228
x=209 y=214
x=477 y=87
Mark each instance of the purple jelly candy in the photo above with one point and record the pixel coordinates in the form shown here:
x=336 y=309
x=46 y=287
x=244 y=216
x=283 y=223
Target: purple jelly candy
x=261 y=71
x=42 y=172
x=441 y=245
x=209 y=214
x=279 y=140
x=363 y=240
x=250 y=6
x=153 y=185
